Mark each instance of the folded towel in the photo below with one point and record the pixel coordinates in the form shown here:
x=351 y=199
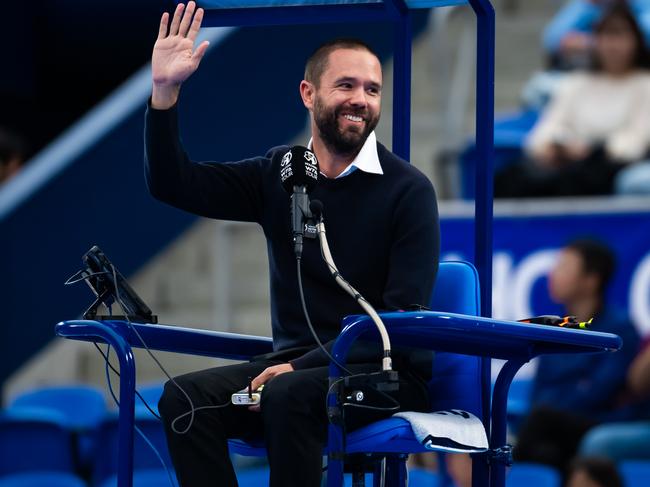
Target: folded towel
x=453 y=430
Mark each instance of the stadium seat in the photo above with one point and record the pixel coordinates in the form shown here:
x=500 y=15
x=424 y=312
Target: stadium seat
x=147 y=478
x=635 y=473
x=145 y=460
x=510 y=131
x=81 y=407
x=34 y=440
x=419 y=477
x=532 y=475
x=42 y=479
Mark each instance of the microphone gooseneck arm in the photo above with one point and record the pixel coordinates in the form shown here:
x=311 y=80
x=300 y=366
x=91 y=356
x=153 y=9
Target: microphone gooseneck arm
x=386 y=362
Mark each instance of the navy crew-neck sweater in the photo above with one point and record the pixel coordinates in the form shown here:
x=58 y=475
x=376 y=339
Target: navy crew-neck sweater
x=383 y=231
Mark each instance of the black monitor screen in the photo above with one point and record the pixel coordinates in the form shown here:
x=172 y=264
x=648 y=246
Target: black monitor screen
x=108 y=285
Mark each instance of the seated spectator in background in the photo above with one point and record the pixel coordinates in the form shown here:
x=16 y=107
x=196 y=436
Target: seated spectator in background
x=593 y=472
x=573 y=392
x=12 y=155
x=596 y=124
x=569 y=39
x=626 y=440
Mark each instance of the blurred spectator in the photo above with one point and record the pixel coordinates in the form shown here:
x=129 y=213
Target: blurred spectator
x=596 y=124
x=626 y=440
x=569 y=40
x=573 y=392
x=12 y=155
x=593 y=472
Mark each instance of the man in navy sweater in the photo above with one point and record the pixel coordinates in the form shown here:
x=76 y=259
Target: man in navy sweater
x=383 y=230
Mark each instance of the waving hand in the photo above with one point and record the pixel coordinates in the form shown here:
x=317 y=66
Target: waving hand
x=174 y=58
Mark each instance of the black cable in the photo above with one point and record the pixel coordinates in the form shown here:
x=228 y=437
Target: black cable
x=193 y=408
x=117 y=373
x=135 y=426
x=311 y=327
x=69 y=281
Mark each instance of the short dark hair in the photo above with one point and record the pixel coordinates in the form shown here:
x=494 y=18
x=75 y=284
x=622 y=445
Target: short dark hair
x=597 y=258
x=620 y=10
x=318 y=61
x=599 y=469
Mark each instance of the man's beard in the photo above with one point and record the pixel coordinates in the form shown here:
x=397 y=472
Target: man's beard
x=342 y=143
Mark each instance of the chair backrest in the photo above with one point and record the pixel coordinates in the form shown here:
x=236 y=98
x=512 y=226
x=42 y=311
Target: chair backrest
x=456 y=379
x=105 y=463
x=82 y=406
x=37 y=441
x=47 y=478
x=635 y=473
x=533 y=475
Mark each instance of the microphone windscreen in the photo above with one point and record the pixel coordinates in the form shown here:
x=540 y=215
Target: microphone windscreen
x=299 y=167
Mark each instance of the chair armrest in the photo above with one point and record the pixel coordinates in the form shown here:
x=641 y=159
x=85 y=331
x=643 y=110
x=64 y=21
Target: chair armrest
x=171 y=338
x=475 y=335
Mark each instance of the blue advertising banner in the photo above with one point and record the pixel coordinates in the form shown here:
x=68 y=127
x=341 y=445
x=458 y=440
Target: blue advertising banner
x=528 y=235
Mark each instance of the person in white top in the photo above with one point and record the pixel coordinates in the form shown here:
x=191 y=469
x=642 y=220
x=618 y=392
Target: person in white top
x=597 y=123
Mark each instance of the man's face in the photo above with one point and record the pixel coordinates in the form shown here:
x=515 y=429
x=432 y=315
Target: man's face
x=568 y=280
x=347 y=103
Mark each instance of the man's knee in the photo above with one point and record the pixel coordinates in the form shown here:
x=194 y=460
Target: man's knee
x=277 y=393
x=171 y=403
x=289 y=394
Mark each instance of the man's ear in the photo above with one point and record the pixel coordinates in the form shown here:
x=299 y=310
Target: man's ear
x=307 y=93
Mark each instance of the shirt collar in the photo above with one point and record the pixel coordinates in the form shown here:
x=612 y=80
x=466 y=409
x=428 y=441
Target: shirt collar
x=367 y=159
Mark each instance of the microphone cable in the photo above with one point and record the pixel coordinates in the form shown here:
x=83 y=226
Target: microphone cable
x=75 y=279
x=309 y=323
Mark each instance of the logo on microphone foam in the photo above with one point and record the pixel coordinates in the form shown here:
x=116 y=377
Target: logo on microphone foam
x=286 y=159
x=311 y=169
x=285 y=167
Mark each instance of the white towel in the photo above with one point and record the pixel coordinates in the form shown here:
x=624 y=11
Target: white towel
x=453 y=430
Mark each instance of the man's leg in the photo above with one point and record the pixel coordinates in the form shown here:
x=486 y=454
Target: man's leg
x=295 y=420
x=201 y=456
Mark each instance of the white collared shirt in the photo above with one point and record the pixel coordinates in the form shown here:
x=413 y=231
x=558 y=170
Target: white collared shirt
x=367 y=159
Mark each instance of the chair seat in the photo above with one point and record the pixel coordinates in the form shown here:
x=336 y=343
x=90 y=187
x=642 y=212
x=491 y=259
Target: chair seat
x=391 y=435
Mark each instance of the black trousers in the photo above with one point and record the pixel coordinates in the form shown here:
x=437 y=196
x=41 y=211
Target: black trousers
x=292 y=421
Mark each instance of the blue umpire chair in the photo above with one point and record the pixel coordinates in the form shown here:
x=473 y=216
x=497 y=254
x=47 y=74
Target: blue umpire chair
x=460 y=381
x=456 y=381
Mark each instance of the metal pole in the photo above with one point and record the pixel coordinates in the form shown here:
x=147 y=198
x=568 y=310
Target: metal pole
x=484 y=149
x=484 y=194
x=402 y=45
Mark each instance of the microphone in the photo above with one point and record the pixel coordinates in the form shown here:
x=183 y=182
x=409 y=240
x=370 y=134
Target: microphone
x=299 y=175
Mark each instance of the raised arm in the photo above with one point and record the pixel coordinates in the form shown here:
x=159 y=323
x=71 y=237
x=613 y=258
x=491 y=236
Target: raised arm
x=174 y=58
